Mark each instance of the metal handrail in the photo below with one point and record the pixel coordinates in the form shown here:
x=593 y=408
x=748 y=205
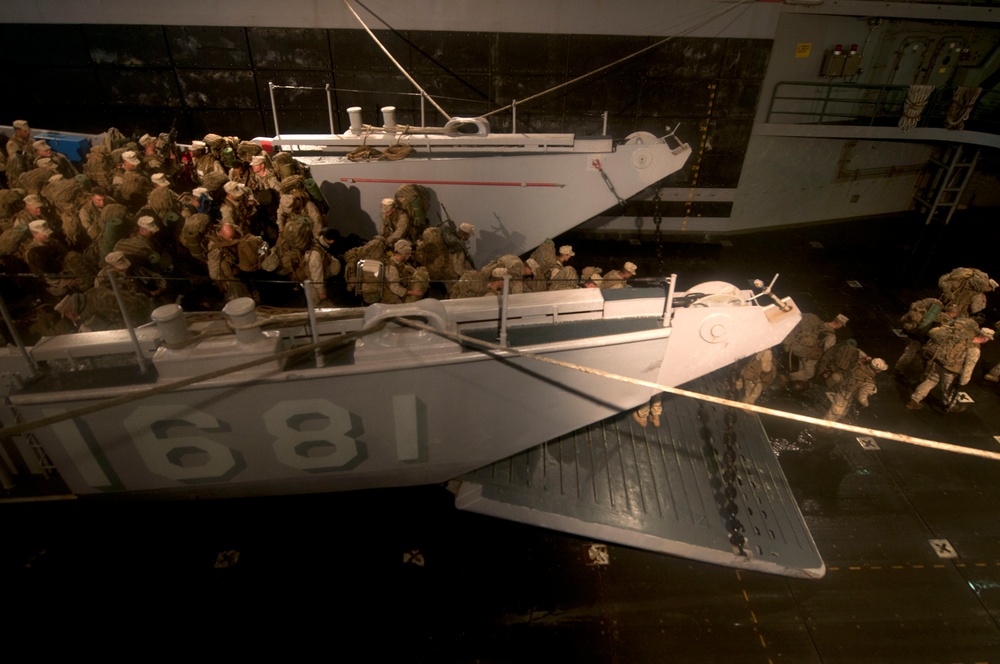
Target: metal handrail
x=857 y=104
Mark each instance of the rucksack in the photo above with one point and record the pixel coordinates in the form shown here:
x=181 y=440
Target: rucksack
x=921 y=315
x=114 y=139
x=964 y=278
x=193 y=234
x=286 y=166
x=545 y=254
x=12 y=239
x=251 y=250
x=65 y=195
x=296 y=237
x=298 y=233
x=415 y=200
x=948 y=346
x=805 y=334
x=365 y=283
x=432 y=253
x=11 y=202
x=33 y=180
x=214 y=180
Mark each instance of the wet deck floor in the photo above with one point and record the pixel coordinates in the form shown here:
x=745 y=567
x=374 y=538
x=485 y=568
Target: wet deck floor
x=910 y=536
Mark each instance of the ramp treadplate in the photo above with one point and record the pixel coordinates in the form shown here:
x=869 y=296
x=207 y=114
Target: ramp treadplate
x=669 y=489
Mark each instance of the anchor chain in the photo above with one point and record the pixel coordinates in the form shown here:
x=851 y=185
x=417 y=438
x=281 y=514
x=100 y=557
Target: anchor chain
x=621 y=201
x=733 y=523
x=657 y=222
x=727 y=491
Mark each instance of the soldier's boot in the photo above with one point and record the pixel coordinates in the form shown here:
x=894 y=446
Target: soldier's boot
x=640 y=419
x=914 y=405
x=655 y=410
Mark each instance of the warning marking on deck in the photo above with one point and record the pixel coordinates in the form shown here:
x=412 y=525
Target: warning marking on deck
x=413 y=557
x=816 y=245
x=943 y=548
x=854 y=284
x=868 y=443
x=226 y=559
x=963 y=397
x=996 y=438
x=726 y=243
x=597 y=554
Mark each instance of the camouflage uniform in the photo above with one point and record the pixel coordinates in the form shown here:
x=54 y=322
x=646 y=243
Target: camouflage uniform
x=20 y=152
x=651 y=410
x=560 y=275
x=91 y=214
x=396 y=223
x=954 y=352
x=224 y=264
x=141 y=250
x=756 y=373
x=44 y=257
x=534 y=280
x=131 y=187
x=618 y=278
x=298 y=204
x=515 y=270
x=205 y=163
x=916 y=329
x=807 y=341
x=858 y=385
x=321 y=265
x=239 y=207
x=837 y=362
x=966 y=288
x=403 y=282
x=60 y=162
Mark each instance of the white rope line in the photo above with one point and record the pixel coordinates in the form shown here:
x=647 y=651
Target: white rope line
x=496 y=348
x=877 y=433
x=398 y=66
x=619 y=61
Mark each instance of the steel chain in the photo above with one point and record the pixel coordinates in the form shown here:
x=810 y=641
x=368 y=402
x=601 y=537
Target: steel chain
x=657 y=222
x=735 y=527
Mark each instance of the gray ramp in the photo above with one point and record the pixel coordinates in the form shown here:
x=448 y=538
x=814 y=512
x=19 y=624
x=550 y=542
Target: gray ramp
x=705 y=485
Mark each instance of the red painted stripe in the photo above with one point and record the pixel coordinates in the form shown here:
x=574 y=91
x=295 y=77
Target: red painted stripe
x=457 y=182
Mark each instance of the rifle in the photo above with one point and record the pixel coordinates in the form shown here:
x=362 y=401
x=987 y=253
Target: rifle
x=951 y=396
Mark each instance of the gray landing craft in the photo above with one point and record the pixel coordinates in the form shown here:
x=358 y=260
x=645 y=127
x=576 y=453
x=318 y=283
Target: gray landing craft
x=237 y=404
x=517 y=188
x=370 y=401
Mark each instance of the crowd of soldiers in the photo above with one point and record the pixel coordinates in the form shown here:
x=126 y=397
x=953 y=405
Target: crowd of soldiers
x=944 y=337
x=216 y=221
x=145 y=222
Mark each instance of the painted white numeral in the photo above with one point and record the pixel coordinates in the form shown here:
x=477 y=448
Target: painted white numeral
x=326 y=447
x=80 y=453
x=178 y=457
